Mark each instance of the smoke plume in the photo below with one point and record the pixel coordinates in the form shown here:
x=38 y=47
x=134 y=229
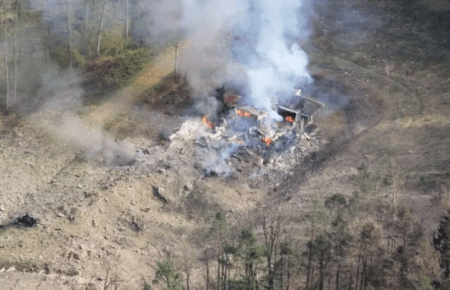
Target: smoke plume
x=94 y=143
x=249 y=44
x=276 y=66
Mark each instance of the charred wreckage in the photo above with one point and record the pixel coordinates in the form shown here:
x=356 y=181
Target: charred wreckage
x=240 y=130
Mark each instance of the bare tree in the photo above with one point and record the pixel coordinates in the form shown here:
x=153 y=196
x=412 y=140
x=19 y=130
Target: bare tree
x=99 y=37
x=370 y=247
x=127 y=20
x=69 y=26
x=206 y=258
x=16 y=19
x=271 y=224
x=6 y=56
x=87 y=19
x=397 y=183
x=310 y=250
x=110 y=281
x=186 y=261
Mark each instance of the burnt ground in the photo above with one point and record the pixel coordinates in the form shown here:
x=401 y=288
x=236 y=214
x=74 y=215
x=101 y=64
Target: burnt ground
x=389 y=59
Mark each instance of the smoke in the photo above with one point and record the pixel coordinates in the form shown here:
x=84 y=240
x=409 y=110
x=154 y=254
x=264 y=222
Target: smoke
x=207 y=62
x=215 y=162
x=241 y=42
x=276 y=66
x=246 y=43
x=94 y=143
x=157 y=23
x=60 y=89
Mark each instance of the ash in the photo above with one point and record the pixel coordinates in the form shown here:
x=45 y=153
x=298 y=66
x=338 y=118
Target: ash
x=222 y=151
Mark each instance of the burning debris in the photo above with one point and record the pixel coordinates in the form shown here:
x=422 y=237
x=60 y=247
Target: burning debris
x=267 y=140
x=230 y=99
x=299 y=111
x=243 y=113
x=246 y=133
x=207 y=122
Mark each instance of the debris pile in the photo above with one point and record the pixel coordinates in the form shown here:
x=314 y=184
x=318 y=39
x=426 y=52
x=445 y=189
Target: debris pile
x=245 y=133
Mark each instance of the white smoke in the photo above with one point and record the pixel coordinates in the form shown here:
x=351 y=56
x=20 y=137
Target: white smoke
x=278 y=66
x=263 y=61
x=207 y=61
x=266 y=59
x=274 y=65
x=94 y=143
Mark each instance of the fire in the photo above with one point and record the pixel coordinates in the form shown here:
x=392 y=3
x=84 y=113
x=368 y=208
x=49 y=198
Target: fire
x=243 y=113
x=289 y=119
x=207 y=122
x=267 y=140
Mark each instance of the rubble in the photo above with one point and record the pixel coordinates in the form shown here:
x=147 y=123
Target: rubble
x=189 y=186
x=233 y=143
x=157 y=193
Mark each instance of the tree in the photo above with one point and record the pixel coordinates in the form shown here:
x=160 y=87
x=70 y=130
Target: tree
x=316 y=216
x=126 y=20
x=271 y=224
x=16 y=19
x=6 y=57
x=397 y=176
x=206 y=258
x=100 y=29
x=87 y=20
x=69 y=28
x=342 y=239
x=187 y=260
x=335 y=203
x=285 y=263
x=251 y=255
x=167 y=273
x=321 y=249
x=370 y=247
x=340 y=235
x=220 y=230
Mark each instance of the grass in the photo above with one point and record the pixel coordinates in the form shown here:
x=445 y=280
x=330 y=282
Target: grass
x=118 y=118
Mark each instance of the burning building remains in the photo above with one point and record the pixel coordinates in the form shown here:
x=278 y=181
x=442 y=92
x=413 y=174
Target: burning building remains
x=296 y=113
x=243 y=132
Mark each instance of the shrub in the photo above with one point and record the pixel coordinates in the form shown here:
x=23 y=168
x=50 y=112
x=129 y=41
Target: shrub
x=78 y=60
x=60 y=55
x=167 y=273
x=113 y=44
x=131 y=63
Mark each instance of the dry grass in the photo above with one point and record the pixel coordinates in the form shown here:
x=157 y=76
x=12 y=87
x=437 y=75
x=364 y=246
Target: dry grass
x=150 y=76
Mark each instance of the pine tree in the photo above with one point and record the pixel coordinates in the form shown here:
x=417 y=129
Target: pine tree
x=167 y=273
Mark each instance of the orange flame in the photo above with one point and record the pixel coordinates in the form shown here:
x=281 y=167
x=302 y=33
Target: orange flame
x=207 y=122
x=289 y=119
x=243 y=113
x=267 y=140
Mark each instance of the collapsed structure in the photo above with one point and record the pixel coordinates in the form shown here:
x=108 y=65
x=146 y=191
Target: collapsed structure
x=296 y=113
x=250 y=135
